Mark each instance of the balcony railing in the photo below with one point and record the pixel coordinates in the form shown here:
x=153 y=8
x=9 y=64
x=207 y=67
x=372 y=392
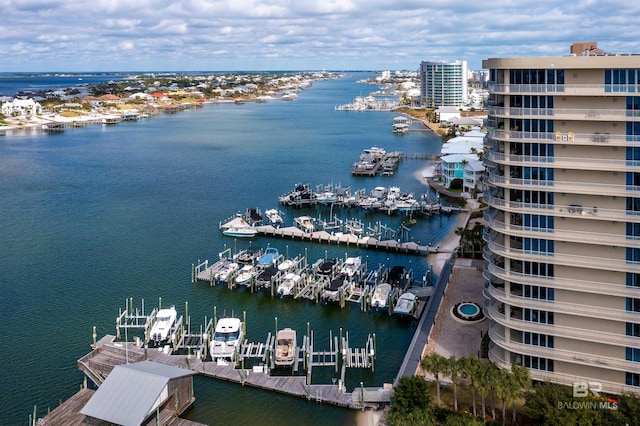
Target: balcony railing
x=568 y=89
x=562 y=378
x=562 y=307
x=557 y=162
x=568 y=138
x=572 y=260
x=560 y=331
x=561 y=210
x=564 y=235
x=591 y=114
x=562 y=355
x=590 y=188
x=492 y=270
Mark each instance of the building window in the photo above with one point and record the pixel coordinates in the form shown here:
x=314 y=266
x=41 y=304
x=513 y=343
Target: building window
x=633 y=231
x=538 y=246
x=633 y=305
x=537 y=363
x=633 y=280
x=633 y=131
x=536 y=222
x=633 y=354
x=537 y=315
x=633 y=329
x=632 y=379
x=621 y=80
x=633 y=181
x=536 y=339
x=633 y=205
x=537 y=269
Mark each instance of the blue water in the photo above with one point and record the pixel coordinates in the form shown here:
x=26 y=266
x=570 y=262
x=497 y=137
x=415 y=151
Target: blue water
x=96 y=215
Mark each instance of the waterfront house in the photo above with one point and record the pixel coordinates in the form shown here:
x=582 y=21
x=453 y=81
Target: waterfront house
x=21 y=107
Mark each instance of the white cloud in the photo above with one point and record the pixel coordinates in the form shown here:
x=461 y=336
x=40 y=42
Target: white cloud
x=269 y=34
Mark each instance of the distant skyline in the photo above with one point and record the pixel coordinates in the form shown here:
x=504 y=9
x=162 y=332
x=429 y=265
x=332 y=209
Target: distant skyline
x=254 y=35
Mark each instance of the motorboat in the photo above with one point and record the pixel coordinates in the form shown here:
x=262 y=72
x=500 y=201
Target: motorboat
x=381 y=296
x=273 y=217
x=405 y=305
x=332 y=292
x=253 y=216
x=351 y=266
x=286 y=265
x=286 y=342
x=226 y=271
x=250 y=255
x=245 y=275
x=326 y=267
x=227 y=339
x=161 y=330
x=269 y=258
x=288 y=284
x=263 y=278
x=240 y=232
x=354 y=226
x=396 y=275
x=305 y=223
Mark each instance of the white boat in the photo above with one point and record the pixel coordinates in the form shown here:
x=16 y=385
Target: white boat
x=286 y=342
x=274 y=217
x=288 y=284
x=352 y=266
x=381 y=296
x=290 y=96
x=405 y=305
x=227 y=339
x=226 y=271
x=286 y=265
x=305 y=223
x=240 y=232
x=269 y=258
x=161 y=330
x=354 y=226
x=245 y=275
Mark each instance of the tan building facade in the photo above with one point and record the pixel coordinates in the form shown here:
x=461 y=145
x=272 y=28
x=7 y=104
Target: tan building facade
x=563 y=190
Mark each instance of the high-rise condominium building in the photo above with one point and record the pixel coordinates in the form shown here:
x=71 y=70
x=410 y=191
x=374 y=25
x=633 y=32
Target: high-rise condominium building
x=443 y=83
x=563 y=244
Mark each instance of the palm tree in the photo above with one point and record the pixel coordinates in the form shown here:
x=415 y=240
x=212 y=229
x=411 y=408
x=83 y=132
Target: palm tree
x=470 y=366
x=522 y=379
x=483 y=377
x=435 y=364
x=454 y=370
x=494 y=381
x=506 y=389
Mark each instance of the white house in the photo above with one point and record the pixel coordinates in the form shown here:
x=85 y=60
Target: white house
x=472 y=176
x=21 y=107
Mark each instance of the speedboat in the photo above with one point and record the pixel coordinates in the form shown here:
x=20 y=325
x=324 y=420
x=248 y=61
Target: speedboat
x=286 y=265
x=396 y=275
x=326 y=267
x=405 y=305
x=285 y=347
x=245 y=275
x=240 y=232
x=264 y=277
x=288 y=284
x=226 y=271
x=253 y=216
x=269 y=257
x=274 y=218
x=305 y=223
x=250 y=255
x=351 y=266
x=227 y=339
x=381 y=296
x=164 y=323
x=332 y=292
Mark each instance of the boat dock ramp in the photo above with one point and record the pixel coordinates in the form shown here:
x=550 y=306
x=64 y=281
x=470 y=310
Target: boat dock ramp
x=253 y=364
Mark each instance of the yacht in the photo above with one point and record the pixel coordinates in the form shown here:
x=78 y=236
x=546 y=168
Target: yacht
x=245 y=275
x=381 y=296
x=286 y=265
x=269 y=258
x=288 y=284
x=240 y=232
x=351 y=266
x=405 y=305
x=250 y=255
x=161 y=331
x=285 y=347
x=305 y=223
x=273 y=217
x=226 y=271
x=227 y=339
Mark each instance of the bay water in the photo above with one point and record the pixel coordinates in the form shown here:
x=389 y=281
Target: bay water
x=93 y=216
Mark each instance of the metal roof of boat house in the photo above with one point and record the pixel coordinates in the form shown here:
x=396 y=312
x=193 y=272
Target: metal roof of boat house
x=132 y=392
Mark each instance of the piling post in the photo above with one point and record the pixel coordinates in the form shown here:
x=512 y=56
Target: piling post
x=244 y=323
x=159 y=303
x=94 y=337
x=186 y=314
x=193 y=273
x=276 y=322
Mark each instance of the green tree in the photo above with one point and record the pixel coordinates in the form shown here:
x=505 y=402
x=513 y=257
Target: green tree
x=453 y=369
x=522 y=380
x=470 y=366
x=435 y=364
x=411 y=393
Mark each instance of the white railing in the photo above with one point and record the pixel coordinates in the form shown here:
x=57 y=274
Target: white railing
x=608 y=114
x=564 y=162
x=591 y=188
x=564 y=138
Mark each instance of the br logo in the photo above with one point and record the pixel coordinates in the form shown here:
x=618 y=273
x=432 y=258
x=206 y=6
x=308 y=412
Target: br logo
x=582 y=389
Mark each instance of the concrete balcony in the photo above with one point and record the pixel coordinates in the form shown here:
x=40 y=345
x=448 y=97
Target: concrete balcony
x=561 y=210
x=492 y=271
x=560 y=331
x=557 y=162
x=565 y=379
x=568 y=138
x=567 y=114
x=588 y=188
x=565 y=259
x=564 y=235
x=559 y=89
x=562 y=355
x=561 y=307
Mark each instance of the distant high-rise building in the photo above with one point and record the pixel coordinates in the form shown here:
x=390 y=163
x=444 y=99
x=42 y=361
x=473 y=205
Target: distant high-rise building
x=443 y=83
x=563 y=196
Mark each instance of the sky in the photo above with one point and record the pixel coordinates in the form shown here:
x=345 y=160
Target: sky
x=259 y=35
